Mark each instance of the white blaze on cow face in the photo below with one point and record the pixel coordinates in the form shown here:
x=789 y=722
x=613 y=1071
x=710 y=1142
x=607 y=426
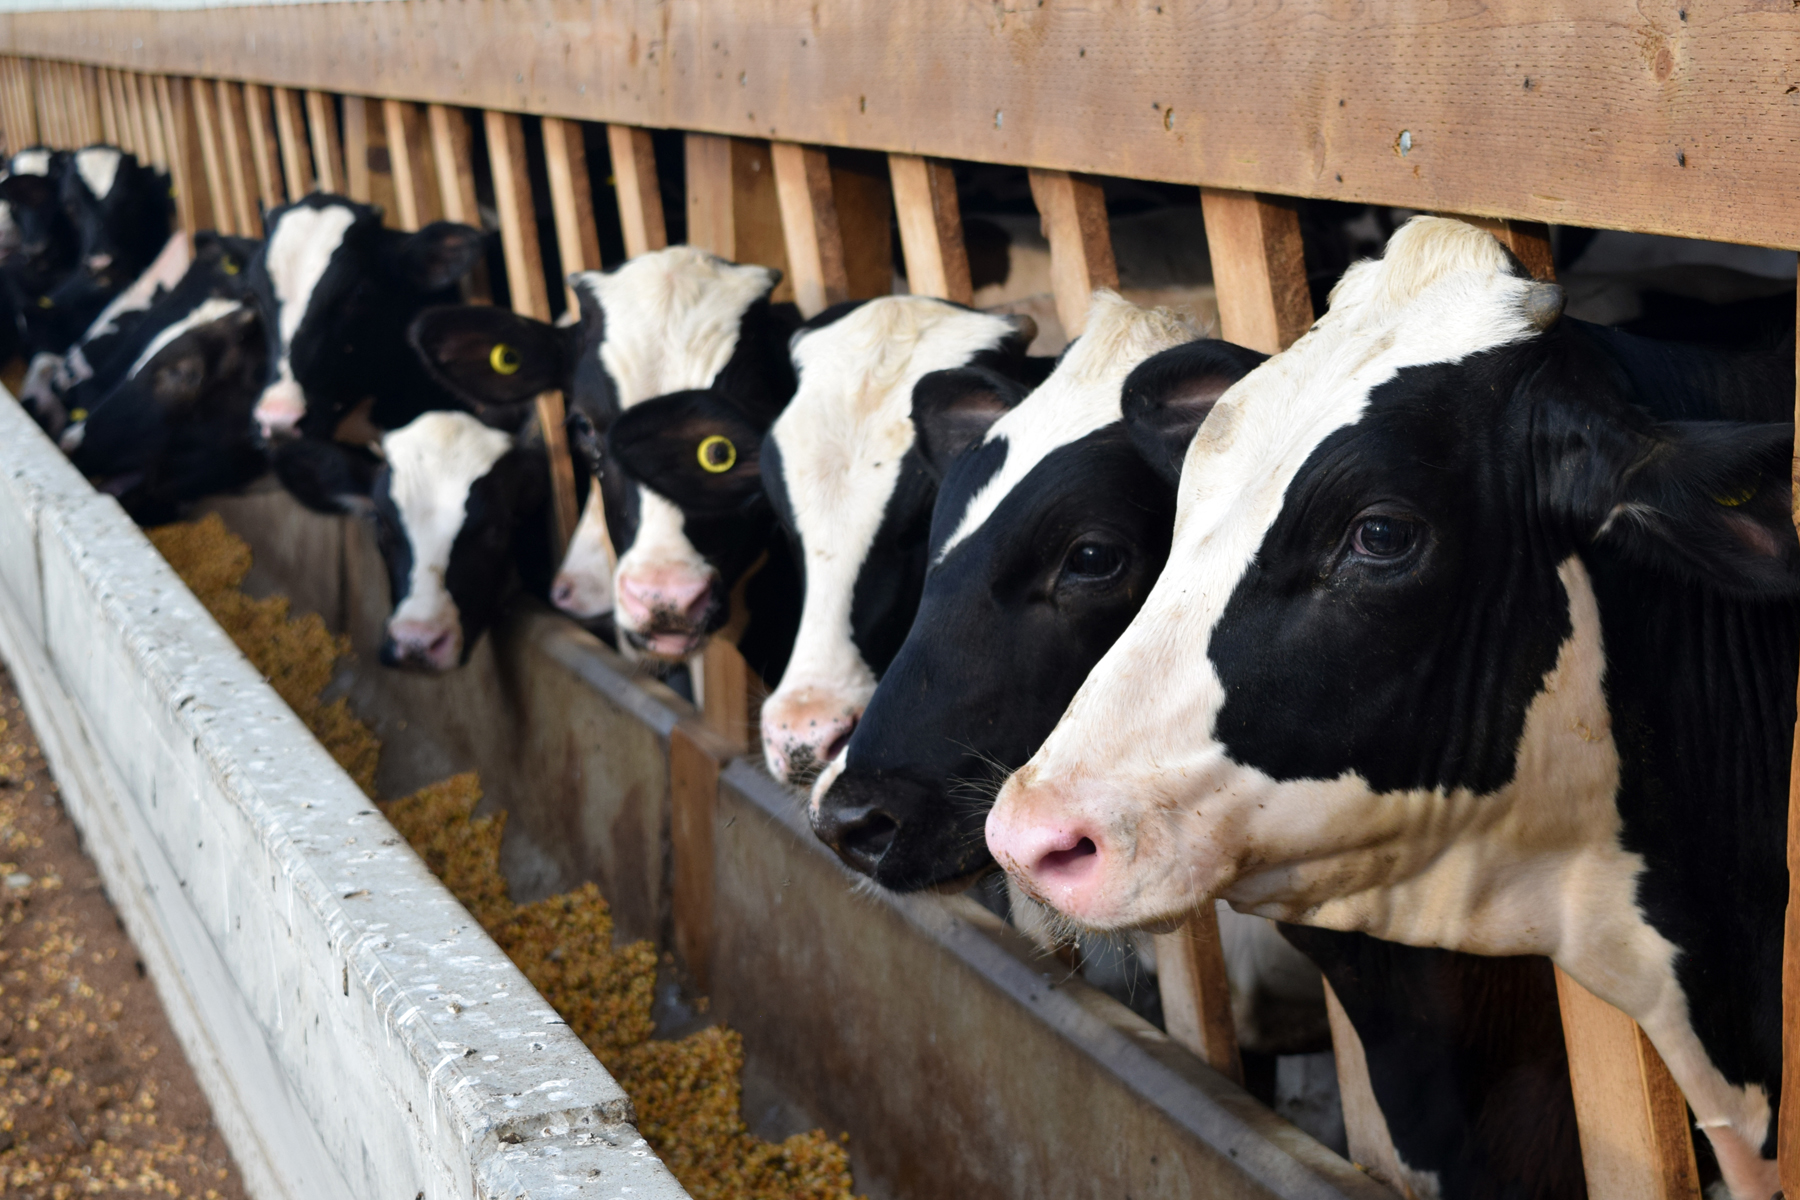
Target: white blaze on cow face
x=433 y=462
x=841 y=440
x=98 y=167
x=31 y=162
x=671 y=321
x=299 y=250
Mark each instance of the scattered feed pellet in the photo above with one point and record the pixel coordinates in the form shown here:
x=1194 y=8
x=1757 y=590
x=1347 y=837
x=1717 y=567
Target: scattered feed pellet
x=686 y=1091
x=95 y=1096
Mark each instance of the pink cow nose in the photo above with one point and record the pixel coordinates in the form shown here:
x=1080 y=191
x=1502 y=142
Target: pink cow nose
x=422 y=645
x=803 y=734
x=1057 y=862
x=280 y=408
x=680 y=593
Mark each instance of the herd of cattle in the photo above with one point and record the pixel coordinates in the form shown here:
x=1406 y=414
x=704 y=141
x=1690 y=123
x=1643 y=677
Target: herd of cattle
x=1461 y=637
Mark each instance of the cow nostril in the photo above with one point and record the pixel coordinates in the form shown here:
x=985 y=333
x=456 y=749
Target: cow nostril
x=1061 y=860
x=863 y=843
x=439 y=644
x=839 y=742
x=697 y=607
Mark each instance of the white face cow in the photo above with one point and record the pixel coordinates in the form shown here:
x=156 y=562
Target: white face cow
x=1438 y=657
x=846 y=479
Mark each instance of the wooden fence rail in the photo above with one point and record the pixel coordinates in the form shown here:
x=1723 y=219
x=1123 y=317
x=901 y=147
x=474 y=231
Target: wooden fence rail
x=264 y=127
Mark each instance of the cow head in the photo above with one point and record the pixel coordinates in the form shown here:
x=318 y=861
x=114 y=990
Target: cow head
x=38 y=244
x=337 y=292
x=1024 y=595
x=852 y=483
x=456 y=504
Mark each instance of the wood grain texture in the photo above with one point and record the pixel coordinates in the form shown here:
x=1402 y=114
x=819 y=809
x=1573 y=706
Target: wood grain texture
x=696 y=756
x=417 y=201
x=640 y=196
x=234 y=146
x=143 y=112
x=518 y=219
x=726 y=693
x=863 y=193
x=1654 y=116
x=121 y=115
x=186 y=172
x=204 y=103
x=809 y=224
x=1635 y=1143
x=732 y=208
x=453 y=162
x=1190 y=971
x=265 y=146
x=322 y=131
x=1258 y=268
x=1073 y=211
x=290 y=135
x=571 y=203
x=930 y=224
x=563 y=511
x=1371 y=1146
x=109 y=115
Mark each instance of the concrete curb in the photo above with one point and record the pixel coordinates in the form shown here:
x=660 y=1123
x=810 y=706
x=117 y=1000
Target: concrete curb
x=357 y=1033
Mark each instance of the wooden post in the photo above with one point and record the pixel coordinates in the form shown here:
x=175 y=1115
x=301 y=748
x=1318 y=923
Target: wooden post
x=1258 y=269
x=518 y=219
x=1635 y=1142
x=1196 y=996
x=930 y=221
x=185 y=168
x=154 y=134
x=322 y=129
x=203 y=100
x=228 y=103
x=450 y=149
x=571 y=201
x=1371 y=1145
x=124 y=132
x=109 y=114
x=368 y=170
x=290 y=134
x=1073 y=211
x=732 y=207
x=50 y=124
x=417 y=202
x=265 y=146
x=640 y=197
x=809 y=223
x=20 y=114
x=696 y=756
x=93 y=102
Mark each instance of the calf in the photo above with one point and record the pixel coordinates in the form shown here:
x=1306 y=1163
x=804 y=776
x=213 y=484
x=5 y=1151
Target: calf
x=38 y=244
x=1479 y=632
x=675 y=352
x=853 y=490
x=337 y=292
x=456 y=504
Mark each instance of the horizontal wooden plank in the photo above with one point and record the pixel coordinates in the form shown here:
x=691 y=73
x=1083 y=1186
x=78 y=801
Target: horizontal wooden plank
x=1655 y=116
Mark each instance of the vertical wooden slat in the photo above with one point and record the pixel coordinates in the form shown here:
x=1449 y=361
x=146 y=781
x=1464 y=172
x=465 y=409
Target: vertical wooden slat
x=863 y=194
x=322 y=127
x=1635 y=1143
x=1258 y=270
x=417 y=201
x=518 y=220
x=103 y=100
x=930 y=221
x=640 y=196
x=21 y=114
x=454 y=166
x=696 y=756
x=356 y=183
x=265 y=146
x=732 y=208
x=125 y=135
x=290 y=134
x=31 y=121
x=50 y=123
x=1073 y=211
x=203 y=102
x=141 y=97
x=75 y=98
x=809 y=223
x=571 y=199
x=1196 y=996
x=234 y=149
x=91 y=101
x=1371 y=1144
x=187 y=211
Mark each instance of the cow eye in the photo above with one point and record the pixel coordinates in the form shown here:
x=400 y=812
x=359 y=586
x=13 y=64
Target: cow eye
x=717 y=455
x=1093 y=561
x=1383 y=537
x=504 y=359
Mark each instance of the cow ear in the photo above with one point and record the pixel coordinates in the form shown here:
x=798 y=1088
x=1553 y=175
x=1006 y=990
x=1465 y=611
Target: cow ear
x=438 y=255
x=328 y=477
x=694 y=449
x=1707 y=500
x=585 y=442
x=952 y=410
x=1167 y=396
x=489 y=356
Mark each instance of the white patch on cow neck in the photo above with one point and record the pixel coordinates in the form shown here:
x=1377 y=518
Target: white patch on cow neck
x=1080 y=396
x=162 y=275
x=298 y=253
x=433 y=462
x=214 y=308
x=98 y=167
x=31 y=162
x=841 y=440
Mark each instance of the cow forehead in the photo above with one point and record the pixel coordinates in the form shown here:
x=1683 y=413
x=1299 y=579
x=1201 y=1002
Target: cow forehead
x=432 y=463
x=671 y=318
x=1080 y=396
x=31 y=162
x=299 y=250
x=99 y=168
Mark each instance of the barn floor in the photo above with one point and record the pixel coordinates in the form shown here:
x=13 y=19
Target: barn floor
x=95 y=1095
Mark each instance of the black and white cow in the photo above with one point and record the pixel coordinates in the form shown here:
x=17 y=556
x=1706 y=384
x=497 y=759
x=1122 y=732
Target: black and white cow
x=457 y=506
x=38 y=243
x=1478 y=632
x=672 y=374
x=337 y=292
x=851 y=485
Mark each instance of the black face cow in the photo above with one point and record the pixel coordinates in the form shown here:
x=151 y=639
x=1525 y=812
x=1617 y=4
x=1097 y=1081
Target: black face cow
x=853 y=491
x=1478 y=632
x=38 y=243
x=673 y=373
x=457 y=505
x=337 y=292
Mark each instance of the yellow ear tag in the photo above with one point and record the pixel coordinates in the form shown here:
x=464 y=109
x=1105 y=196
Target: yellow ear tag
x=46 y=302
x=1736 y=499
x=78 y=414
x=717 y=455
x=504 y=359
x=229 y=266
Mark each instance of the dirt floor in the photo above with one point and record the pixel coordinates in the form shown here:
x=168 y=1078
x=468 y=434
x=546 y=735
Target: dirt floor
x=95 y=1096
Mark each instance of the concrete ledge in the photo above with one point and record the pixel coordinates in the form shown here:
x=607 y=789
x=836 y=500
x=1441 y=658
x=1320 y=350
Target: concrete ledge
x=356 y=1031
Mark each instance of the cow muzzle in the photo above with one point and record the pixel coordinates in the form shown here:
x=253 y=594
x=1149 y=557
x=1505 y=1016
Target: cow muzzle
x=279 y=409
x=804 y=730
x=584 y=595
x=1056 y=856
x=666 y=611
x=418 y=645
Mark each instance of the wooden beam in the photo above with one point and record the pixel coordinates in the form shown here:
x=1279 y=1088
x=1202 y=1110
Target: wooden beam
x=1635 y=1140
x=203 y=101
x=234 y=147
x=266 y=149
x=732 y=209
x=417 y=202
x=571 y=202
x=930 y=221
x=290 y=135
x=322 y=131
x=640 y=196
x=1371 y=1145
x=1073 y=211
x=518 y=218
x=809 y=224
x=1196 y=995
x=1258 y=270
